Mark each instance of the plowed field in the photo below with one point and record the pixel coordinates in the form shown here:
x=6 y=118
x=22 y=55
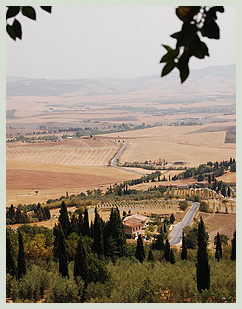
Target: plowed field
x=74 y=152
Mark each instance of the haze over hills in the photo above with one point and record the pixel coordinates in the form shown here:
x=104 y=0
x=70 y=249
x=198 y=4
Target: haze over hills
x=105 y=103
x=22 y=86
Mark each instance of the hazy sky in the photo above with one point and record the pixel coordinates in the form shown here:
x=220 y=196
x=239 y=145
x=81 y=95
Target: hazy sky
x=84 y=42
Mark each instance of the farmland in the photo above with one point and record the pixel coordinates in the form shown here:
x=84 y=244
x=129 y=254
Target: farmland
x=52 y=168
x=62 y=136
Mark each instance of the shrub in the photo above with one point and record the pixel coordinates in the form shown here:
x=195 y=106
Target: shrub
x=64 y=290
x=29 y=287
x=183 y=205
x=203 y=207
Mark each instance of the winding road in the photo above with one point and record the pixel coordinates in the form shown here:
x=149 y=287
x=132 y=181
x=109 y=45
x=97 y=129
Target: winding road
x=176 y=233
x=114 y=161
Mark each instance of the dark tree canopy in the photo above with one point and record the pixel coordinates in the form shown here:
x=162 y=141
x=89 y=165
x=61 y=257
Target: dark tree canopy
x=86 y=228
x=167 y=250
x=21 y=256
x=62 y=253
x=197 y=21
x=218 y=252
x=98 y=245
x=172 y=257
x=203 y=268
x=140 y=252
x=11 y=266
x=80 y=263
x=15 y=29
x=64 y=219
x=151 y=256
x=184 y=248
x=233 y=251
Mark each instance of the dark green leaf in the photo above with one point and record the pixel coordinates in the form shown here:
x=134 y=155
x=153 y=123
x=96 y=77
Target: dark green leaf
x=183 y=65
x=212 y=13
x=11 y=32
x=29 y=12
x=202 y=51
x=184 y=72
x=168 y=48
x=186 y=35
x=176 y=35
x=210 y=30
x=170 y=56
x=46 y=8
x=220 y=9
x=168 y=68
x=17 y=29
x=12 y=11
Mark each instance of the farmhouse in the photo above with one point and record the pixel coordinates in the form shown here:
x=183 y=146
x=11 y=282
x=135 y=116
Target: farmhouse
x=134 y=225
x=179 y=162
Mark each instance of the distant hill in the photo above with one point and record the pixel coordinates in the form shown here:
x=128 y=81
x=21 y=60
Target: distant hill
x=22 y=86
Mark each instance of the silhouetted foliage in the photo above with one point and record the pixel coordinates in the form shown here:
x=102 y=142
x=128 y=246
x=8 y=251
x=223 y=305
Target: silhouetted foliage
x=15 y=30
x=197 y=21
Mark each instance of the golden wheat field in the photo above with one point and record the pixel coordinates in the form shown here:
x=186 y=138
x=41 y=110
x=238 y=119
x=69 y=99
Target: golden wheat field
x=176 y=143
x=74 y=152
x=54 y=168
x=75 y=165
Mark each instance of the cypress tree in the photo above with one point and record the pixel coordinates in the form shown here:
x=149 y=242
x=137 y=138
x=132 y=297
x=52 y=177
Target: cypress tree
x=64 y=219
x=80 y=262
x=18 y=216
x=86 y=229
x=159 y=242
x=80 y=223
x=167 y=250
x=62 y=254
x=140 y=252
x=229 y=191
x=21 y=257
x=223 y=191
x=47 y=213
x=111 y=248
x=91 y=230
x=233 y=251
x=172 y=218
x=172 y=257
x=98 y=235
x=55 y=247
x=184 y=248
x=115 y=228
x=218 y=252
x=151 y=256
x=209 y=178
x=11 y=267
x=74 y=224
x=203 y=269
x=11 y=213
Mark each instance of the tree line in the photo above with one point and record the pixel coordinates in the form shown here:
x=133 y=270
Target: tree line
x=20 y=215
x=209 y=170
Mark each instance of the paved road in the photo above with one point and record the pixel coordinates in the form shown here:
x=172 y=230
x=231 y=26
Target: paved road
x=176 y=233
x=114 y=161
